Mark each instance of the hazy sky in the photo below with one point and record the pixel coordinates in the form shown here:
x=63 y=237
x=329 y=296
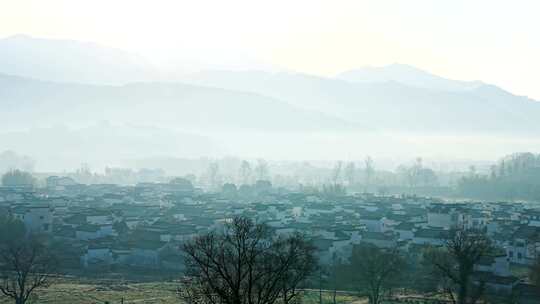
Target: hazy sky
x=494 y=41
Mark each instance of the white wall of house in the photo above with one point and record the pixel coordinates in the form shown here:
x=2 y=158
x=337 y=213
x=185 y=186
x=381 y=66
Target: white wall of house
x=38 y=220
x=441 y=220
x=106 y=230
x=427 y=241
x=534 y=223
x=86 y=235
x=373 y=225
x=99 y=255
x=132 y=223
x=405 y=234
x=501 y=266
x=121 y=256
x=98 y=219
x=492 y=228
x=355 y=235
x=517 y=252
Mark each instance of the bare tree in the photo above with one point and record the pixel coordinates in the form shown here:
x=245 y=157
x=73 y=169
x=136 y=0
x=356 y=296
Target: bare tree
x=191 y=291
x=350 y=173
x=336 y=172
x=534 y=273
x=213 y=170
x=493 y=172
x=18 y=178
x=472 y=171
x=415 y=172
x=334 y=274
x=26 y=265
x=261 y=170
x=376 y=270
x=247 y=264
x=369 y=171
x=245 y=172
x=453 y=265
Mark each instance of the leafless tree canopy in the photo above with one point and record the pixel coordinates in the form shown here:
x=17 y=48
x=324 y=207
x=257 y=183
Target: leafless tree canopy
x=247 y=264
x=25 y=266
x=375 y=269
x=534 y=273
x=454 y=264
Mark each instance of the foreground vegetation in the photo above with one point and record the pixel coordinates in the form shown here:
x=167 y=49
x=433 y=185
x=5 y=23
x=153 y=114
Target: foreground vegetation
x=246 y=262
x=72 y=291
x=88 y=292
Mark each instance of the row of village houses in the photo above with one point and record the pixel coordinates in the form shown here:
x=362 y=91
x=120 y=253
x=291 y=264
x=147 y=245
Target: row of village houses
x=145 y=225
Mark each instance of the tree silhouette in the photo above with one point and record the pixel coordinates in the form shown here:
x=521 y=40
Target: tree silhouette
x=454 y=264
x=247 y=264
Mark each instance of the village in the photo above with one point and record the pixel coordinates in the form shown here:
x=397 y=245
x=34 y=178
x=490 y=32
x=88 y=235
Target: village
x=105 y=226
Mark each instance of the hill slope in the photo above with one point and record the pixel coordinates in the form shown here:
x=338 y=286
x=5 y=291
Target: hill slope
x=406 y=75
x=31 y=102
x=71 y=61
x=391 y=105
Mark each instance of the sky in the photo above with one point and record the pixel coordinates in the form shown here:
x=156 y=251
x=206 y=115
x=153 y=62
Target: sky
x=489 y=40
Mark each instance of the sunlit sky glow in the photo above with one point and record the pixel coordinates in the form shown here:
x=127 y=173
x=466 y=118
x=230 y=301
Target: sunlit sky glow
x=494 y=41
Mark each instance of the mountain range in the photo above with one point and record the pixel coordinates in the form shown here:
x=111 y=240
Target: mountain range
x=45 y=82
x=407 y=75
x=71 y=61
x=169 y=104
x=392 y=105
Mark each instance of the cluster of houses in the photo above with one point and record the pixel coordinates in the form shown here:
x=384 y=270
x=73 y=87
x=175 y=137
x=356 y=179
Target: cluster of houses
x=144 y=226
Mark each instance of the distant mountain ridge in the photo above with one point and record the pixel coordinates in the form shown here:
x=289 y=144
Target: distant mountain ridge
x=407 y=75
x=474 y=108
x=71 y=61
x=43 y=103
x=76 y=82
x=98 y=94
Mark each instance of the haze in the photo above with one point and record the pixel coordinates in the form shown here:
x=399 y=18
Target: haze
x=493 y=41
x=360 y=75
x=269 y=152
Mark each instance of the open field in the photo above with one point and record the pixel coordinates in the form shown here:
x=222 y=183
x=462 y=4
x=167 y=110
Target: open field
x=100 y=292
x=312 y=297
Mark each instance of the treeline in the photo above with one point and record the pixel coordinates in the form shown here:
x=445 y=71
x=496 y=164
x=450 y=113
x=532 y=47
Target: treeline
x=515 y=176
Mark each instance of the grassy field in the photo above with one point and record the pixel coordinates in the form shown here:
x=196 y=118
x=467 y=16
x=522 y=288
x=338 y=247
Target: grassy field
x=87 y=293
x=313 y=298
x=100 y=292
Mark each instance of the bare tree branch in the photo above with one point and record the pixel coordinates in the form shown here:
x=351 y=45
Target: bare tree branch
x=25 y=267
x=247 y=264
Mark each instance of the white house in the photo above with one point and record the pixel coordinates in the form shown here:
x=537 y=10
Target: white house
x=91 y=232
x=36 y=219
x=96 y=254
x=435 y=237
x=374 y=223
x=405 y=231
x=380 y=239
x=447 y=217
x=525 y=245
x=498 y=264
